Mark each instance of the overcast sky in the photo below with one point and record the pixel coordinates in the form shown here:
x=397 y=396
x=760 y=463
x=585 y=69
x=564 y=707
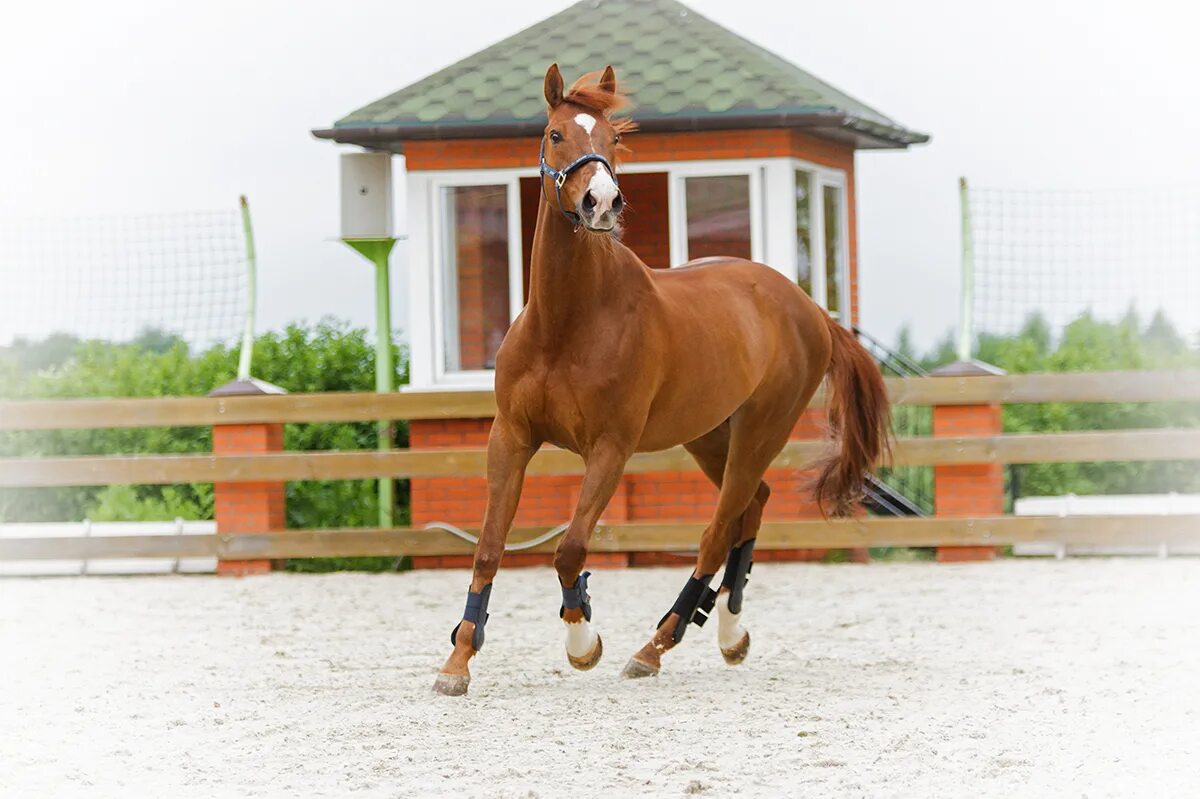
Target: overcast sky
x=122 y=107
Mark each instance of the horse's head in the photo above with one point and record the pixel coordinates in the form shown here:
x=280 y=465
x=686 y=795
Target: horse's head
x=579 y=148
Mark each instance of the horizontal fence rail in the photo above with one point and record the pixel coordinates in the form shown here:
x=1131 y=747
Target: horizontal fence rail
x=1177 y=386
x=634 y=537
x=1112 y=445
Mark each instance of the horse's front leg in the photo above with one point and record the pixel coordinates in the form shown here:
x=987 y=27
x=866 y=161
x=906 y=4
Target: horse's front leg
x=604 y=466
x=507 y=458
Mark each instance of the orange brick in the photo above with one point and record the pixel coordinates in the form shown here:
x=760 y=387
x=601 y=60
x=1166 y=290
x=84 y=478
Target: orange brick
x=965 y=554
x=242 y=568
x=967 y=489
x=250 y=507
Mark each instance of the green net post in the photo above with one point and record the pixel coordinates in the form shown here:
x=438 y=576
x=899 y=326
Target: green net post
x=966 y=324
x=247 y=353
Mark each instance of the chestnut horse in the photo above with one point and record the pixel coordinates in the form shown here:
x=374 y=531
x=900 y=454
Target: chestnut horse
x=610 y=357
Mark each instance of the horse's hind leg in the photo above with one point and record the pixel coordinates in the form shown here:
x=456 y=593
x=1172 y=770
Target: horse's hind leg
x=754 y=441
x=732 y=637
x=711 y=451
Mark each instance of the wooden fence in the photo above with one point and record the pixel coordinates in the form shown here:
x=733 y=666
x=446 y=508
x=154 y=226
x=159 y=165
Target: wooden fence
x=1106 y=445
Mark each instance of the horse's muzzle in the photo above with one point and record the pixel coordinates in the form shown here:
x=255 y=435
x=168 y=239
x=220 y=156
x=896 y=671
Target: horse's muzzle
x=599 y=210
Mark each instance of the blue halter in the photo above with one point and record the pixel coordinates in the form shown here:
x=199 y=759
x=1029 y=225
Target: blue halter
x=559 y=176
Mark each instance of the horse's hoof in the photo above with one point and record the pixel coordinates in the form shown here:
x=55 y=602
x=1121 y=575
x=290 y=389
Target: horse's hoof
x=590 y=659
x=737 y=653
x=636 y=668
x=451 y=684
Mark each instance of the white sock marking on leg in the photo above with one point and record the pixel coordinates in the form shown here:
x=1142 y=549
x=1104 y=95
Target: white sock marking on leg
x=581 y=638
x=729 y=627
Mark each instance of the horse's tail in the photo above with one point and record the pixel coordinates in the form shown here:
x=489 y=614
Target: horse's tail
x=859 y=421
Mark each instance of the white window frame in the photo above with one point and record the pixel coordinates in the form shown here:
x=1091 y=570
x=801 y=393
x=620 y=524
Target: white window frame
x=820 y=177
x=677 y=202
x=441 y=295
x=772 y=241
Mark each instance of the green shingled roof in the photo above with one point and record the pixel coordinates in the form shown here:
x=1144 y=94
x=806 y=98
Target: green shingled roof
x=681 y=70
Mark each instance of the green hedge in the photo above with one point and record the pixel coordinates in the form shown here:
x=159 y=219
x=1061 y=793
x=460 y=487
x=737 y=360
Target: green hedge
x=327 y=356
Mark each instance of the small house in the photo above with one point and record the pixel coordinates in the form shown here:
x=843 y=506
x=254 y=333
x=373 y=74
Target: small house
x=738 y=152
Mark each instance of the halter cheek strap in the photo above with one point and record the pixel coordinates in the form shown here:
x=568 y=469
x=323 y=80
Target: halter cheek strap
x=559 y=176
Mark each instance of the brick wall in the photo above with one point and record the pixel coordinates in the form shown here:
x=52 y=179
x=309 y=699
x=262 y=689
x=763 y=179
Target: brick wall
x=461 y=501
x=643 y=147
x=550 y=500
x=645 y=218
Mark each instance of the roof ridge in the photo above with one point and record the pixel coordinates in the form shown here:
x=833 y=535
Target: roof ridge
x=686 y=71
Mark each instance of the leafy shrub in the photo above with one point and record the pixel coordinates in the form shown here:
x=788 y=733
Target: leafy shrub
x=327 y=356
x=1091 y=345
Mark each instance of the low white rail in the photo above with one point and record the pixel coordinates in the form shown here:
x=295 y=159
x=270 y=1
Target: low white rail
x=1108 y=505
x=35 y=568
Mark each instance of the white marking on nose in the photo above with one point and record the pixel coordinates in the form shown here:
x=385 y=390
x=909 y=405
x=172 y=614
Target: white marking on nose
x=603 y=190
x=587 y=122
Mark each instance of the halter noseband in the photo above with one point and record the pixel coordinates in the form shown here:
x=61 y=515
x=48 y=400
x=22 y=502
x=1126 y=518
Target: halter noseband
x=559 y=176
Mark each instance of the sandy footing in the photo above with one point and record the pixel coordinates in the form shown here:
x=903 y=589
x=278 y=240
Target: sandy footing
x=1015 y=678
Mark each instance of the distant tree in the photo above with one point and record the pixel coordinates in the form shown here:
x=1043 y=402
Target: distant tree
x=904 y=343
x=1091 y=345
x=23 y=355
x=152 y=339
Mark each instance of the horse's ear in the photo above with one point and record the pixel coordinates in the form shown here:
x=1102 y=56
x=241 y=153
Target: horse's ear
x=554 y=86
x=608 y=81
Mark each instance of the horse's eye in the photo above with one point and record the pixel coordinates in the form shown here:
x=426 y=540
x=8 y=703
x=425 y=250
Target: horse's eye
x=616 y=139
x=555 y=137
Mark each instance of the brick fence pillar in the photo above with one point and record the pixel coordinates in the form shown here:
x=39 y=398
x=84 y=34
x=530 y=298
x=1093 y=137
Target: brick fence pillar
x=967 y=489
x=247 y=507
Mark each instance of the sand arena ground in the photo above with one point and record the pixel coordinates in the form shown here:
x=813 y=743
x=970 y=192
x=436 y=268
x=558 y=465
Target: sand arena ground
x=1015 y=678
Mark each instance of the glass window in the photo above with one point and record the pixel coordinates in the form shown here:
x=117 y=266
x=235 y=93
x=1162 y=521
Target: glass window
x=475 y=253
x=718 y=216
x=804 y=230
x=832 y=196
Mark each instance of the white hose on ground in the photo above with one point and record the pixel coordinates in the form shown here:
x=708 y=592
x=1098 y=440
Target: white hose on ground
x=553 y=532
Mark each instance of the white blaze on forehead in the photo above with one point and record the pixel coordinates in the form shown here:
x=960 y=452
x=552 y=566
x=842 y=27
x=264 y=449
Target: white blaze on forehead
x=587 y=122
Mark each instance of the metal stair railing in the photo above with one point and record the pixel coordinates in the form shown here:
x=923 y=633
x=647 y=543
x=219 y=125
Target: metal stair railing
x=900 y=490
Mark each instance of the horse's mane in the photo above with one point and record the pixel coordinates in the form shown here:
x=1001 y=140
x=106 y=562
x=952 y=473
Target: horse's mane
x=586 y=93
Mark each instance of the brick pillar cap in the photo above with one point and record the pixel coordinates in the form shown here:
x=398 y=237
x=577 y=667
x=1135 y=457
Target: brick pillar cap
x=967 y=369
x=247 y=387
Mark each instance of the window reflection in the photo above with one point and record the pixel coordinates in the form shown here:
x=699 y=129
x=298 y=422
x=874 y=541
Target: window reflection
x=718 y=216
x=804 y=230
x=475 y=252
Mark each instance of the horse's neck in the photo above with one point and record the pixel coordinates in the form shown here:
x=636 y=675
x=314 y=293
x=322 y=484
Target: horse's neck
x=573 y=274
